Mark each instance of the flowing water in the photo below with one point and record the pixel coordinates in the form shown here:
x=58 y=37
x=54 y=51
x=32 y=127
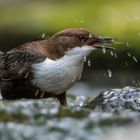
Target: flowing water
x=112 y=114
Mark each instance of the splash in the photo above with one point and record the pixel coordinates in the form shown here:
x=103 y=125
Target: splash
x=115 y=55
x=112 y=53
x=109 y=73
x=43 y=35
x=135 y=59
x=127 y=44
x=89 y=63
x=85 y=58
x=129 y=54
x=104 y=50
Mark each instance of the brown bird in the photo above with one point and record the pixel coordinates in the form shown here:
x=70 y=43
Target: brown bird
x=47 y=68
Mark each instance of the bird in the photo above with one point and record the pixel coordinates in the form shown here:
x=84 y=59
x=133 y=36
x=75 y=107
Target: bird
x=48 y=67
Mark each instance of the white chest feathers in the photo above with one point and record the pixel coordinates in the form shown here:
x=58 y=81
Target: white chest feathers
x=56 y=76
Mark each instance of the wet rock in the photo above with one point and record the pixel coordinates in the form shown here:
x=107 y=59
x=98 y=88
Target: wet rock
x=127 y=98
x=91 y=127
x=40 y=110
x=45 y=119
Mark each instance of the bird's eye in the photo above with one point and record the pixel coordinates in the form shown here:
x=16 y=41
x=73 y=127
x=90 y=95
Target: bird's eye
x=82 y=38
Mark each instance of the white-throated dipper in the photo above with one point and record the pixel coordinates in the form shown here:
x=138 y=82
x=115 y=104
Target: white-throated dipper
x=47 y=68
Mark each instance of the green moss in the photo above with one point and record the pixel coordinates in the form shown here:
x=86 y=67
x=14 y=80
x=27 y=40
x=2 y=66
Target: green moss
x=6 y=116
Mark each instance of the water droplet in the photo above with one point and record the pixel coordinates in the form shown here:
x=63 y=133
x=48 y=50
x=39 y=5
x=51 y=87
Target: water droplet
x=126 y=63
x=127 y=44
x=104 y=50
x=111 y=52
x=135 y=59
x=139 y=34
x=73 y=80
x=85 y=58
x=128 y=54
x=43 y=36
x=81 y=100
x=90 y=35
x=115 y=55
x=136 y=18
x=89 y=63
x=138 y=82
x=133 y=18
x=42 y=94
x=34 y=82
x=128 y=18
x=134 y=82
x=75 y=20
x=82 y=21
x=109 y=73
x=80 y=77
x=37 y=91
x=26 y=75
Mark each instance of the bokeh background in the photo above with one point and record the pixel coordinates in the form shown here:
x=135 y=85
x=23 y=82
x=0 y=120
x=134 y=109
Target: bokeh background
x=27 y=20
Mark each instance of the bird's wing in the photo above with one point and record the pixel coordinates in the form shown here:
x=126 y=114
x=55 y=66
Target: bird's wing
x=17 y=63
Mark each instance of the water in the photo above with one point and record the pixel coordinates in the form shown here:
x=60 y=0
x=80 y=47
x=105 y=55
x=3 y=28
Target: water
x=112 y=53
x=89 y=63
x=129 y=54
x=127 y=44
x=109 y=73
x=90 y=35
x=40 y=119
x=43 y=35
x=126 y=63
x=115 y=55
x=81 y=21
x=132 y=56
x=104 y=50
x=85 y=58
x=138 y=33
x=135 y=59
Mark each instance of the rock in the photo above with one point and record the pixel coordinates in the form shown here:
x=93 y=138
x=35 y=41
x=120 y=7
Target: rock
x=44 y=118
x=127 y=98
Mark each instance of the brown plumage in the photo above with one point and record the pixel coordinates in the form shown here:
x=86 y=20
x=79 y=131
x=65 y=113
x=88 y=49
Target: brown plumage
x=16 y=72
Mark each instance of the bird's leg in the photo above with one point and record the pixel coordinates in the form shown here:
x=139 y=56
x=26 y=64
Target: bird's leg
x=62 y=99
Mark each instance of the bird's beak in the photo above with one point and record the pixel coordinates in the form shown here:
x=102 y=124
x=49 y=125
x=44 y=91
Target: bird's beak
x=102 y=43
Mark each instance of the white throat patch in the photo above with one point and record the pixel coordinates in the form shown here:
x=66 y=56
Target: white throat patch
x=56 y=76
x=81 y=51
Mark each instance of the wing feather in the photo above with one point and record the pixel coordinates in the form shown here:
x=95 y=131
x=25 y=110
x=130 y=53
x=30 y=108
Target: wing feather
x=17 y=63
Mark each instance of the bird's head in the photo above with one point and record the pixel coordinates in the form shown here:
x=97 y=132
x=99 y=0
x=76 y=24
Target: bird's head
x=77 y=41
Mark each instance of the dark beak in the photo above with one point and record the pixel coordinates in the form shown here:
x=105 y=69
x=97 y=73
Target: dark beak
x=102 y=43
x=105 y=39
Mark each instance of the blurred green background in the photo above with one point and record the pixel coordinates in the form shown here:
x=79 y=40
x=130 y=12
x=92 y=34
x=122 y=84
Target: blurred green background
x=27 y=20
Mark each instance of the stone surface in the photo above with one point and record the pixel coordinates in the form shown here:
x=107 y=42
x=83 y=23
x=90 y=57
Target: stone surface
x=127 y=98
x=82 y=119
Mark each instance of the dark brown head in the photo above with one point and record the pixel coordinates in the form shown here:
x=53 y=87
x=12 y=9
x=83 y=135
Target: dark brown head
x=65 y=40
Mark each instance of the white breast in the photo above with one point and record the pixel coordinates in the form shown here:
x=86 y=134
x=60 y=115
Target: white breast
x=56 y=76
